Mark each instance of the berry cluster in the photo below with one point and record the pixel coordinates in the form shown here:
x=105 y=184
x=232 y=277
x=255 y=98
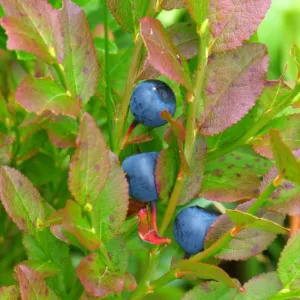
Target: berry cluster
x=148 y=100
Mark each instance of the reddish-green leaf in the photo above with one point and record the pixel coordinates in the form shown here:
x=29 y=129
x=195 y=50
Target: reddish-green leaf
x=233 y=22
x=229 y=183
x=32 y=285
x=97 y=278
x=285 y=199
x=129 y=282
x=205 y=271
x=45 y=269
x=193 y=181
x=197 y=9
x=80 y=60
x=184 y=37
x=163 y=54
x=21 y=200
x=110 y=206
x=39 y=95
x=5 y=140
x=171 y=4
x=246 y=243
x=231 y=92
x=286 y=163
x=289 y=263
x=147 y=231
x=245 y=220
x=10 y=292
x=32 y=26
x=76 y=223
x=89 y=169
x=211 y=290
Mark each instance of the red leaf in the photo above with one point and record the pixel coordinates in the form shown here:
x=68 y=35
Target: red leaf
x=97 y=279
x=32 y=285
x=32 y=26
x=171 y=4
x=231 y=92
x=162 y=52
x=146 y=231
x=233 y=22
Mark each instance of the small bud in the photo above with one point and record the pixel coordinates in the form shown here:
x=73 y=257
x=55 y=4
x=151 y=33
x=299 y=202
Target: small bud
x=88 y=207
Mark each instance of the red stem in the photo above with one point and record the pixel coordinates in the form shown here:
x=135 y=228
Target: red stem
x=153 y=214
x=128 y=133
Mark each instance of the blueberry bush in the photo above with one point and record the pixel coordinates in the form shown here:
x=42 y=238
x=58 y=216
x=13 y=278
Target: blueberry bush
x=149 y=150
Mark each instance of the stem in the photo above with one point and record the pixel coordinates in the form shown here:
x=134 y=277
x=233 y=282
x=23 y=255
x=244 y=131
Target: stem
x=131 y=78
x=172 y=204
x=153 y=214
x=163 y=280
x=195 y=106
x=108 y=99
x=195 y=102
x=128 y=133
x=143 y=287
x=285 y=294
x=59 y=69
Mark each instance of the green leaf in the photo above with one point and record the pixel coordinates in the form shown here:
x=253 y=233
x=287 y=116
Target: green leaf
x=39 y=95
x=32 y=284
x=76 y=223
x=223 y=86
x=26 y=56
x=45 y=269
x=10 y=292
x=295 y=53
x=167 y=167
x=100 y=46
x=198 y=9
x=193 y=181
x=261 y=287
x=286 y=162
x=33 y=27
x=89 y=168
x=80 y=62
x=205 y=271
x=246 y=243
x=97 y=278
x=21 y=200
x=289 y=263
x=163 y=54
x=211 y=290
x=229 y=183
x=110 y=206
x=128 y=12
x=245 y=220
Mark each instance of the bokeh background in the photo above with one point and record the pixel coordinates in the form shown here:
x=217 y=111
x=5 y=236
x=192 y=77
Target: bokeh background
x=278 y=31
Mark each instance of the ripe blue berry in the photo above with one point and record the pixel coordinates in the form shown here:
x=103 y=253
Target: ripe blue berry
x=139 y=169
x=149 y=99
x=191 y=226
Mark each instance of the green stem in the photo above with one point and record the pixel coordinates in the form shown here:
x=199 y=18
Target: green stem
x=108 y=99
x=172 y=205
x=285 y=295
x=143 y=286
x=131 y=79
x=61 y=76
x=163 y=280
x=195 y=102
x=259 y=202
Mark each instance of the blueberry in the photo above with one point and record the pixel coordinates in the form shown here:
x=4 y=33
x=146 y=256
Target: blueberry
x=139 y=169
x=149 y=99
x=191 y=226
